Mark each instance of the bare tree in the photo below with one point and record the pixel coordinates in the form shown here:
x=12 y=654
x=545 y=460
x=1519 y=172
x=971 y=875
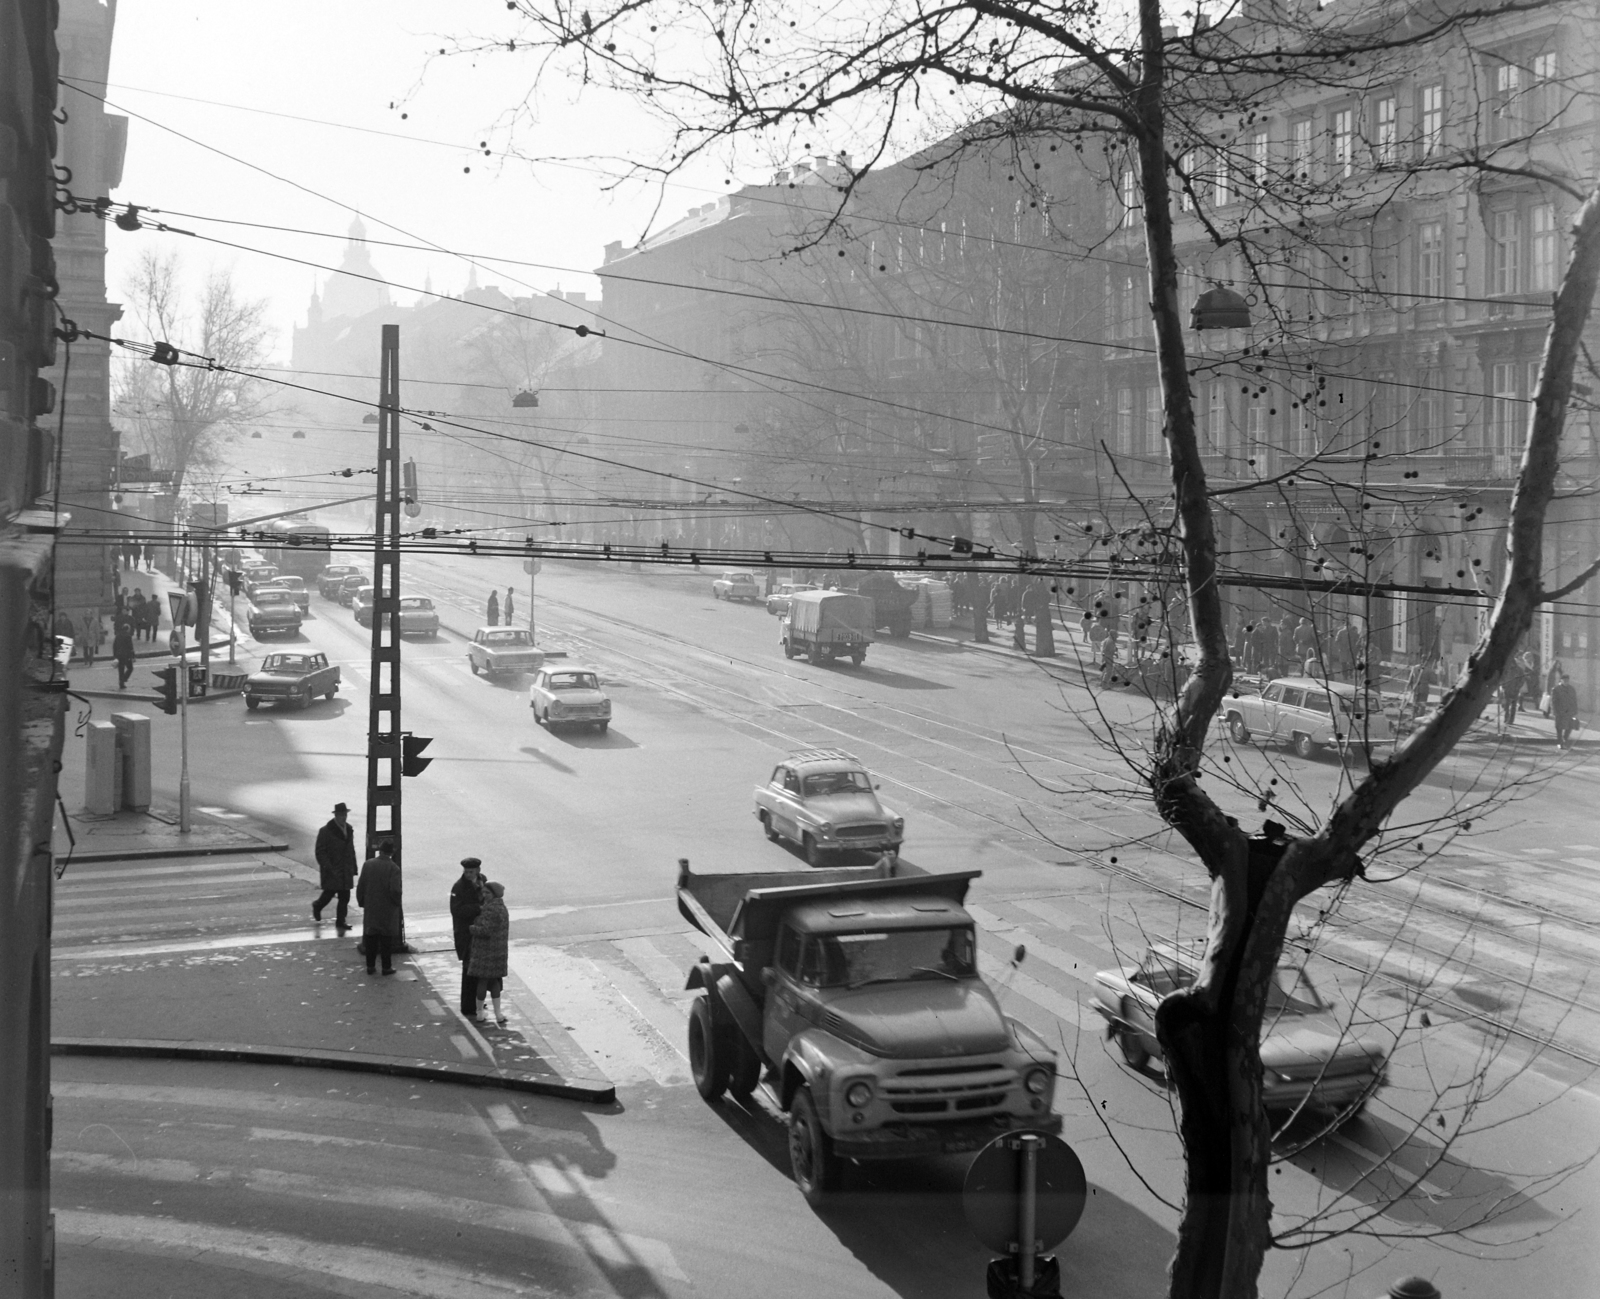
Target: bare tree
x=184 y=412
x=1156 y=103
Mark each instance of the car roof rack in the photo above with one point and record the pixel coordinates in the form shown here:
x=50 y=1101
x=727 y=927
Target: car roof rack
x=823 y=755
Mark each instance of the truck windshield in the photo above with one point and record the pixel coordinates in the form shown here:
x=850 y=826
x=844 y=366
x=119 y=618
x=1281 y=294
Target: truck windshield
x=888 y=956
x=837 y=782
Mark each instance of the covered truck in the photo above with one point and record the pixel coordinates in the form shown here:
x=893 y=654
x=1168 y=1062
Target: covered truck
x=825 y=625
x=855 y=992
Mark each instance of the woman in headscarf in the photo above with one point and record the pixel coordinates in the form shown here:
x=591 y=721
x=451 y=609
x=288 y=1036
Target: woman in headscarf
x=491 y=933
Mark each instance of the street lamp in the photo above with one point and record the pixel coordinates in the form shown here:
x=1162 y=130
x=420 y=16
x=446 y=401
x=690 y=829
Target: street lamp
x=1219 y=308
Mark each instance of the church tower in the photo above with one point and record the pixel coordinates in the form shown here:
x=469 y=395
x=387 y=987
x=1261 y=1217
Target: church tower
x=357 y=287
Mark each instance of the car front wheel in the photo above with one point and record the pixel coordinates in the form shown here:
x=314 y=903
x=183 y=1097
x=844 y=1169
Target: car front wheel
x=1304 y=746
x=814 y=854
x=1237 y=730
x=817 y=1170
x=252 y=703
x=473 y=664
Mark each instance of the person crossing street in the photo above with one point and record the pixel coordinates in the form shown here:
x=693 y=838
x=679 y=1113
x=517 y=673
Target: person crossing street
x=492 y=615
x=336 y=860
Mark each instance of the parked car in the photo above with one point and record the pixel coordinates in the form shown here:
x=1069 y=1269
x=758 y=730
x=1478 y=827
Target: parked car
x=345 y=592
x=297 y=586
x=1308 y=1057
x=418 y=617
x=329 y=580
x=361 y=604
x=778 y=601
x=1309 y=714
x=273 y=612
x=569 y=696
x=736 y=584
x=254 y=585
x=294 y=679
x=502 y=651
x=857 y=991
x=824 y=801
x=255 y=571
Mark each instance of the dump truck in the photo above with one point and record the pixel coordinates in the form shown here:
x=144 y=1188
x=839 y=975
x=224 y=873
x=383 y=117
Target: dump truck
x=892 y=603
x=826 y=625
x=854 y=993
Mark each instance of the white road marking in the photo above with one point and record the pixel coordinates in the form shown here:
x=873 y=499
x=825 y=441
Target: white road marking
x=503 y=1117
x=210 y=866
x=400 y=1273
x=1002 y=976
x=1052 y=956
x=1432 y=1189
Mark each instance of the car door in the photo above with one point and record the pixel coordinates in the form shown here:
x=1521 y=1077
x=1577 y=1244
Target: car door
x=1286 y=713
x=783 y=805
x=539 y=691
x=788 y=994
x=1271 y=697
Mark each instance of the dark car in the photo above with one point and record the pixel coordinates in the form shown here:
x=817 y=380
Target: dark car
x=329 y=579
x=345 y=592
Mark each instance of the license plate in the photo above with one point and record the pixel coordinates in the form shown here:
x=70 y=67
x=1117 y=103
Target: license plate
x=957 y=1144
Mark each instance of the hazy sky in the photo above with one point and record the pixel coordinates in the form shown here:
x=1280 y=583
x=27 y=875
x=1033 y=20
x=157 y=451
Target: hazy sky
x=344 y=64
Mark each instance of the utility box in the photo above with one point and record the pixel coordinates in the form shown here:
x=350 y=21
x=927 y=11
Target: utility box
x=102 y=785
x=133 y=752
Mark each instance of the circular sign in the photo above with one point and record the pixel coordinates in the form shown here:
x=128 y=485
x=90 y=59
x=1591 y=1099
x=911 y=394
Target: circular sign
x=530 y=566
x=993 y=1192
x=175 y=641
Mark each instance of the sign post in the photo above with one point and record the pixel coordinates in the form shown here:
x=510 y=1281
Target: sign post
x=531 y=566
x=1023 y=1195
x=183 y=613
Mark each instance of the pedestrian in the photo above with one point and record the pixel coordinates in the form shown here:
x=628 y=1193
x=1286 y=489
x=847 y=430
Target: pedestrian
x=466 y=901
x=1267 y=648
x=511 y=604
x=336 y=860
x=1551 y=677
x=378 y=896
x=1305 y=640
x=1421 y=686
x=1564 y=708
x=122 y=602
x=493 y=618
x=150 y=555
x=491 y=933
x=1510 y=693
x=91 y=633
x=122 y=652
x=1531 y=678
x=150 y=617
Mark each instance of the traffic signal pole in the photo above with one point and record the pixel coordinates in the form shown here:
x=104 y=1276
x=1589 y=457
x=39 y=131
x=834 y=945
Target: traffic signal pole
x=384 y=757
x=183 y=729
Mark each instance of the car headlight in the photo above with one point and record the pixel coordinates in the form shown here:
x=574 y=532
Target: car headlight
x=899 y=824
x=1039 y=1080
x=605 y=705
x=858 y=1095
x=555 y=705
x=826 y=827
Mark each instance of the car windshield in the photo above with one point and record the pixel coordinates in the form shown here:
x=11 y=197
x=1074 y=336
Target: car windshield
x=292 y=583
x=416 y=602
x=888 y=956
x=740 y=577
x=513 y=636
x=574 y=681
x=1317 y=702
x=285 y=663
x=275 y=595
x=836 y=782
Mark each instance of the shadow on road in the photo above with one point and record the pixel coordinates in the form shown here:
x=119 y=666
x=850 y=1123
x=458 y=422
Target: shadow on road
x=320 y=710
x=610 y=739
x=548 y=760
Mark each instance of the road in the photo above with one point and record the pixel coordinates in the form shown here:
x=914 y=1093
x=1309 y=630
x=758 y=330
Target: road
x=993 y=762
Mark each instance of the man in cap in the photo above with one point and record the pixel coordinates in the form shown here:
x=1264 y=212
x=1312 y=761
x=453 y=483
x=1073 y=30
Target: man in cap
x=378 y=894
x=466 y=901
x=336 y=860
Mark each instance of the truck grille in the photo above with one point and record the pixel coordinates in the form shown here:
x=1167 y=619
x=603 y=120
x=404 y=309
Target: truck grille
x=945 y=1089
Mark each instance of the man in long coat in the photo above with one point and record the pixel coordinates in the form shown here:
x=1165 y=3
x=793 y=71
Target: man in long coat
x=466 y=901
x=336 y=860
x=378 y=896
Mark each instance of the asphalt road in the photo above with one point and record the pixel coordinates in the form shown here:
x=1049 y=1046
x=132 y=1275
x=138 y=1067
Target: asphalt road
x=995 y=763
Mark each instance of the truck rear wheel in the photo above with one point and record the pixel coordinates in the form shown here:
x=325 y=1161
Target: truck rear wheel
x=817 y=1170
x=788 y=649
x=706 y=1058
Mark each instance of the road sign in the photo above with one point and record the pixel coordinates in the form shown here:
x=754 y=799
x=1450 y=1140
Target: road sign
x=992 y=1196
x=531 y=566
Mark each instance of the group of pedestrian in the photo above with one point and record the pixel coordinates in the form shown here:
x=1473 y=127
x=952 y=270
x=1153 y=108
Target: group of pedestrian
x=478 y=914
x=133 y=555
x=142 y=613
x=496 y=613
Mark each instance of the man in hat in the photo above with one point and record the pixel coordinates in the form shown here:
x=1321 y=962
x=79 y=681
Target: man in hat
x=378 y=896
x=466 y=901
x=336 y=860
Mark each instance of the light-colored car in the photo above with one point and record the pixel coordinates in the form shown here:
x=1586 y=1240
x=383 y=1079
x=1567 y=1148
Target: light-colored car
x=273 y=612
x=256 y=570
x=418 y=617
x=1308 y=1056
x=296 y=586
x=778 y=601
x=502 y=651
x=736 y=584
x=824 y=801
x=345 y=592
x=329 y=579
x=294 y=679
x=255 y=585
x=361 y=604
x=569 y=696
x=1309 y=714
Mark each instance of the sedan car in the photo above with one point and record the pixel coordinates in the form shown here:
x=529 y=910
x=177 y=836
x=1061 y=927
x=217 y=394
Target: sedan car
x=778 y=601
x=824 y=801
x=293 y=679
x=361 y=603
x=569 y=696
x=329 y=580
x=736 y=584
x=418 y=617
x=1308 y=1057
x=296 y=586
x=1309 y=714
x=273 y=612
x=345 y=592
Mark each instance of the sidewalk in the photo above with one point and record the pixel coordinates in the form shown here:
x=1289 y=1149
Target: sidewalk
x=136 y=836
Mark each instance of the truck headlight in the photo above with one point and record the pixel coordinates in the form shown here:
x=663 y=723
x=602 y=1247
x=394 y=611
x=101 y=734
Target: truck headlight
x=1038 y=1080
x=858 y=1095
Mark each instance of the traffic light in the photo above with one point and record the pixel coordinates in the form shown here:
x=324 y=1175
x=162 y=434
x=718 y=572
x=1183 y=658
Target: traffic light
x=167 y=695
x=235 y=581
x=411 y=747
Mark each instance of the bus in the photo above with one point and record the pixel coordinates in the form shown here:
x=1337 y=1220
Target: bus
x=296 y=545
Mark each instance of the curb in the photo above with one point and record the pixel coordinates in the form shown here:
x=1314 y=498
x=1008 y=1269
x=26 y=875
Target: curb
x=147 y=854
x=350 y=1061
x=150 y=699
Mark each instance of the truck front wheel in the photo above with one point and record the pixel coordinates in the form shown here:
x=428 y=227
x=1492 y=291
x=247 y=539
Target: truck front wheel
x=817 y=1170
x=706 y=1058
x=745 y=1074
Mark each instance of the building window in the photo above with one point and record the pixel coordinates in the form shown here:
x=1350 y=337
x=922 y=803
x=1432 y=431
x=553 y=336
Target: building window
x=1505 y=110
x=1543 y=247
x=1153 y=420
x=1430 y=115
x=1256 y=428
x=1430 y=261
x=1386 y=143
x=1130 y=199
x=1217 y=417
x=1427 y=413
x=1544 y=92
x=1125 y=421
x=1300 y=149
x=1342 y=131
x=1505 y=247
x=1222 y=191
x=1504 y=409
x=1259 y=159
